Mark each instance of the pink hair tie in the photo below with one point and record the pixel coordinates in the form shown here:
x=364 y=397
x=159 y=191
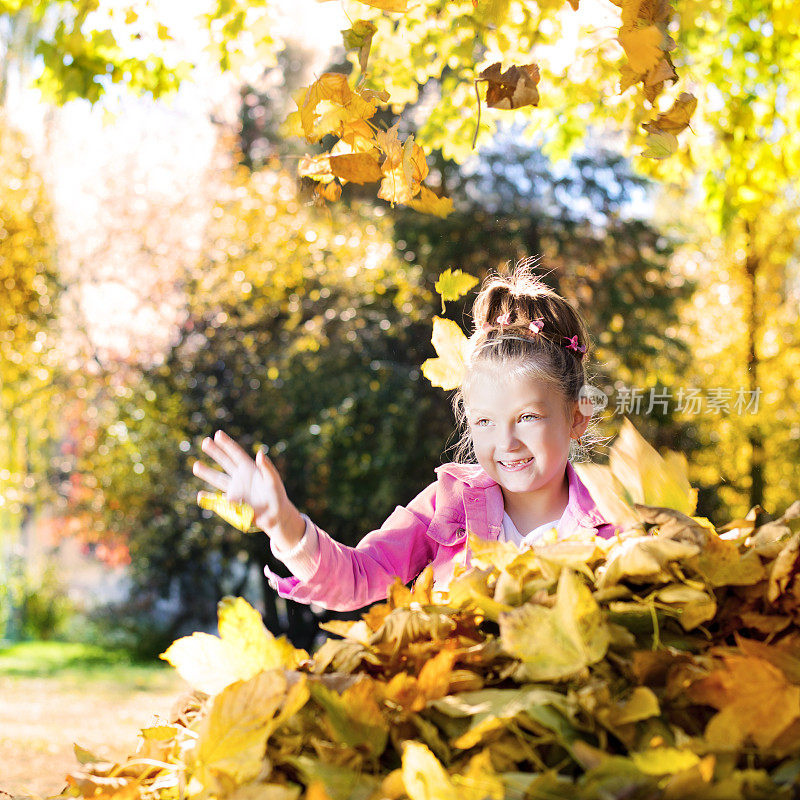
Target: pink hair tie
x=504 y=319
x=573 y=345
x=536 y=326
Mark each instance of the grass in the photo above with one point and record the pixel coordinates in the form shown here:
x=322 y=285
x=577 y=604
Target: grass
x=76 y=663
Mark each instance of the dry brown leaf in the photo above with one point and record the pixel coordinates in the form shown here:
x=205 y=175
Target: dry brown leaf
x=676 y=119
x=514 y=88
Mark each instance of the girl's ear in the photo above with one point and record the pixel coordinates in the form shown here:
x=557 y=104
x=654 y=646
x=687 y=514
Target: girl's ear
x=580 y=422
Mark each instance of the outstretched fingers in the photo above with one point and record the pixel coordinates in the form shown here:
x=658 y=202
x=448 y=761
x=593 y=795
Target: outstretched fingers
x=213 y=477
x=231 y=449
x=213 y=450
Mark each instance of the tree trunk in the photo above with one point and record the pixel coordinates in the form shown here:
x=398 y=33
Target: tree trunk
x=752 y=264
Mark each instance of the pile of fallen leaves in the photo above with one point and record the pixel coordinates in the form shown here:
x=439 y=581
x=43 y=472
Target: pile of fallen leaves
x=663 y=663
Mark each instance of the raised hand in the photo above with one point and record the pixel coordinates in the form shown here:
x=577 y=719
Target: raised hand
x=254 y=482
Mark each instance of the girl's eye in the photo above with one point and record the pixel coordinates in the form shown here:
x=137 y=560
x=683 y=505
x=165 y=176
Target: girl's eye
x=480 y=423
x=529 y=417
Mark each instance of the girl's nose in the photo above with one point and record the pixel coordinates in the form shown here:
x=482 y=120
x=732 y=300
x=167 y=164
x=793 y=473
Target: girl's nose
x=509 y=440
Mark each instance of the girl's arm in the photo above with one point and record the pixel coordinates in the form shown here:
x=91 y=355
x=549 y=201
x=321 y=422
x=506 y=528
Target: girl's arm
x=345 y=578
x=328 y=573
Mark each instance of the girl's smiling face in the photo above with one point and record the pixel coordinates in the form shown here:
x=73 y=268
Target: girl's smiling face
x=520 y=428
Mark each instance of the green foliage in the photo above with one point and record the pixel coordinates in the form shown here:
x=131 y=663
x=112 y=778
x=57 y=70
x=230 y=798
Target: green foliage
x=84 y=48
x=33 y=605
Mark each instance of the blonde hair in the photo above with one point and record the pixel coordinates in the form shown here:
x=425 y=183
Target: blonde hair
x=524 y=327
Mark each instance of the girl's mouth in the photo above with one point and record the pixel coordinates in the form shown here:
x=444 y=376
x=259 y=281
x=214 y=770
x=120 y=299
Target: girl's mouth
x=514 y=466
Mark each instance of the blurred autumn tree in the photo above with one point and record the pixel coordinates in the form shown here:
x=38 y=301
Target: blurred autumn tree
x=30 y=292
x=304 y=331
x=29 y=384
x=737 y=171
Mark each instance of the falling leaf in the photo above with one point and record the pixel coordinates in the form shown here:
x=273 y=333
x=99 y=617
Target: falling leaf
x=642 y=46
x=341 y=104
x=240 y=515
x=402 y=181
x=398 y=6
x=426 y=202
x=676 y=119
x=660 y=144
x=514 y=88
x=447 y=370
x=359 y=37
x=356 y=167
x=453 y=284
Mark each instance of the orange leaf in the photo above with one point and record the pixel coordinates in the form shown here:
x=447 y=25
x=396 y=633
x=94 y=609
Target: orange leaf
x=434 y=677
x=356 y=167
x=328 y=191
x=342 y=105
x=642 y=46
x=754 y=698
x=402 y=182
x=677 y=117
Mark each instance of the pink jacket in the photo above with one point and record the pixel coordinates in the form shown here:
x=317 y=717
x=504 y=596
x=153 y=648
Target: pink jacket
x=431 y=529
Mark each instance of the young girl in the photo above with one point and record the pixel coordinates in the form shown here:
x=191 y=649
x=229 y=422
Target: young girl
x=519 y=411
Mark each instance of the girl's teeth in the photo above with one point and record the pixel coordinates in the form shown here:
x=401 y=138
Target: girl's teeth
x=521 y=462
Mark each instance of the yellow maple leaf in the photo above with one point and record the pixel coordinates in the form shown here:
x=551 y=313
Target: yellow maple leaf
x=557 y=642
x=232 y=735
x=452 y=284
x=389 y=144
x=428 y=203
x=341 y=105
x=401 y=182
x=660 y=144
x=356 y=167
x=243 y=649
x=240 y=515
x=642 y=46
x=637 y=473
x=450 y=343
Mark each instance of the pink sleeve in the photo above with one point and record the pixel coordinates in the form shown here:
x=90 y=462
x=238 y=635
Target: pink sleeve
x=348 y=578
